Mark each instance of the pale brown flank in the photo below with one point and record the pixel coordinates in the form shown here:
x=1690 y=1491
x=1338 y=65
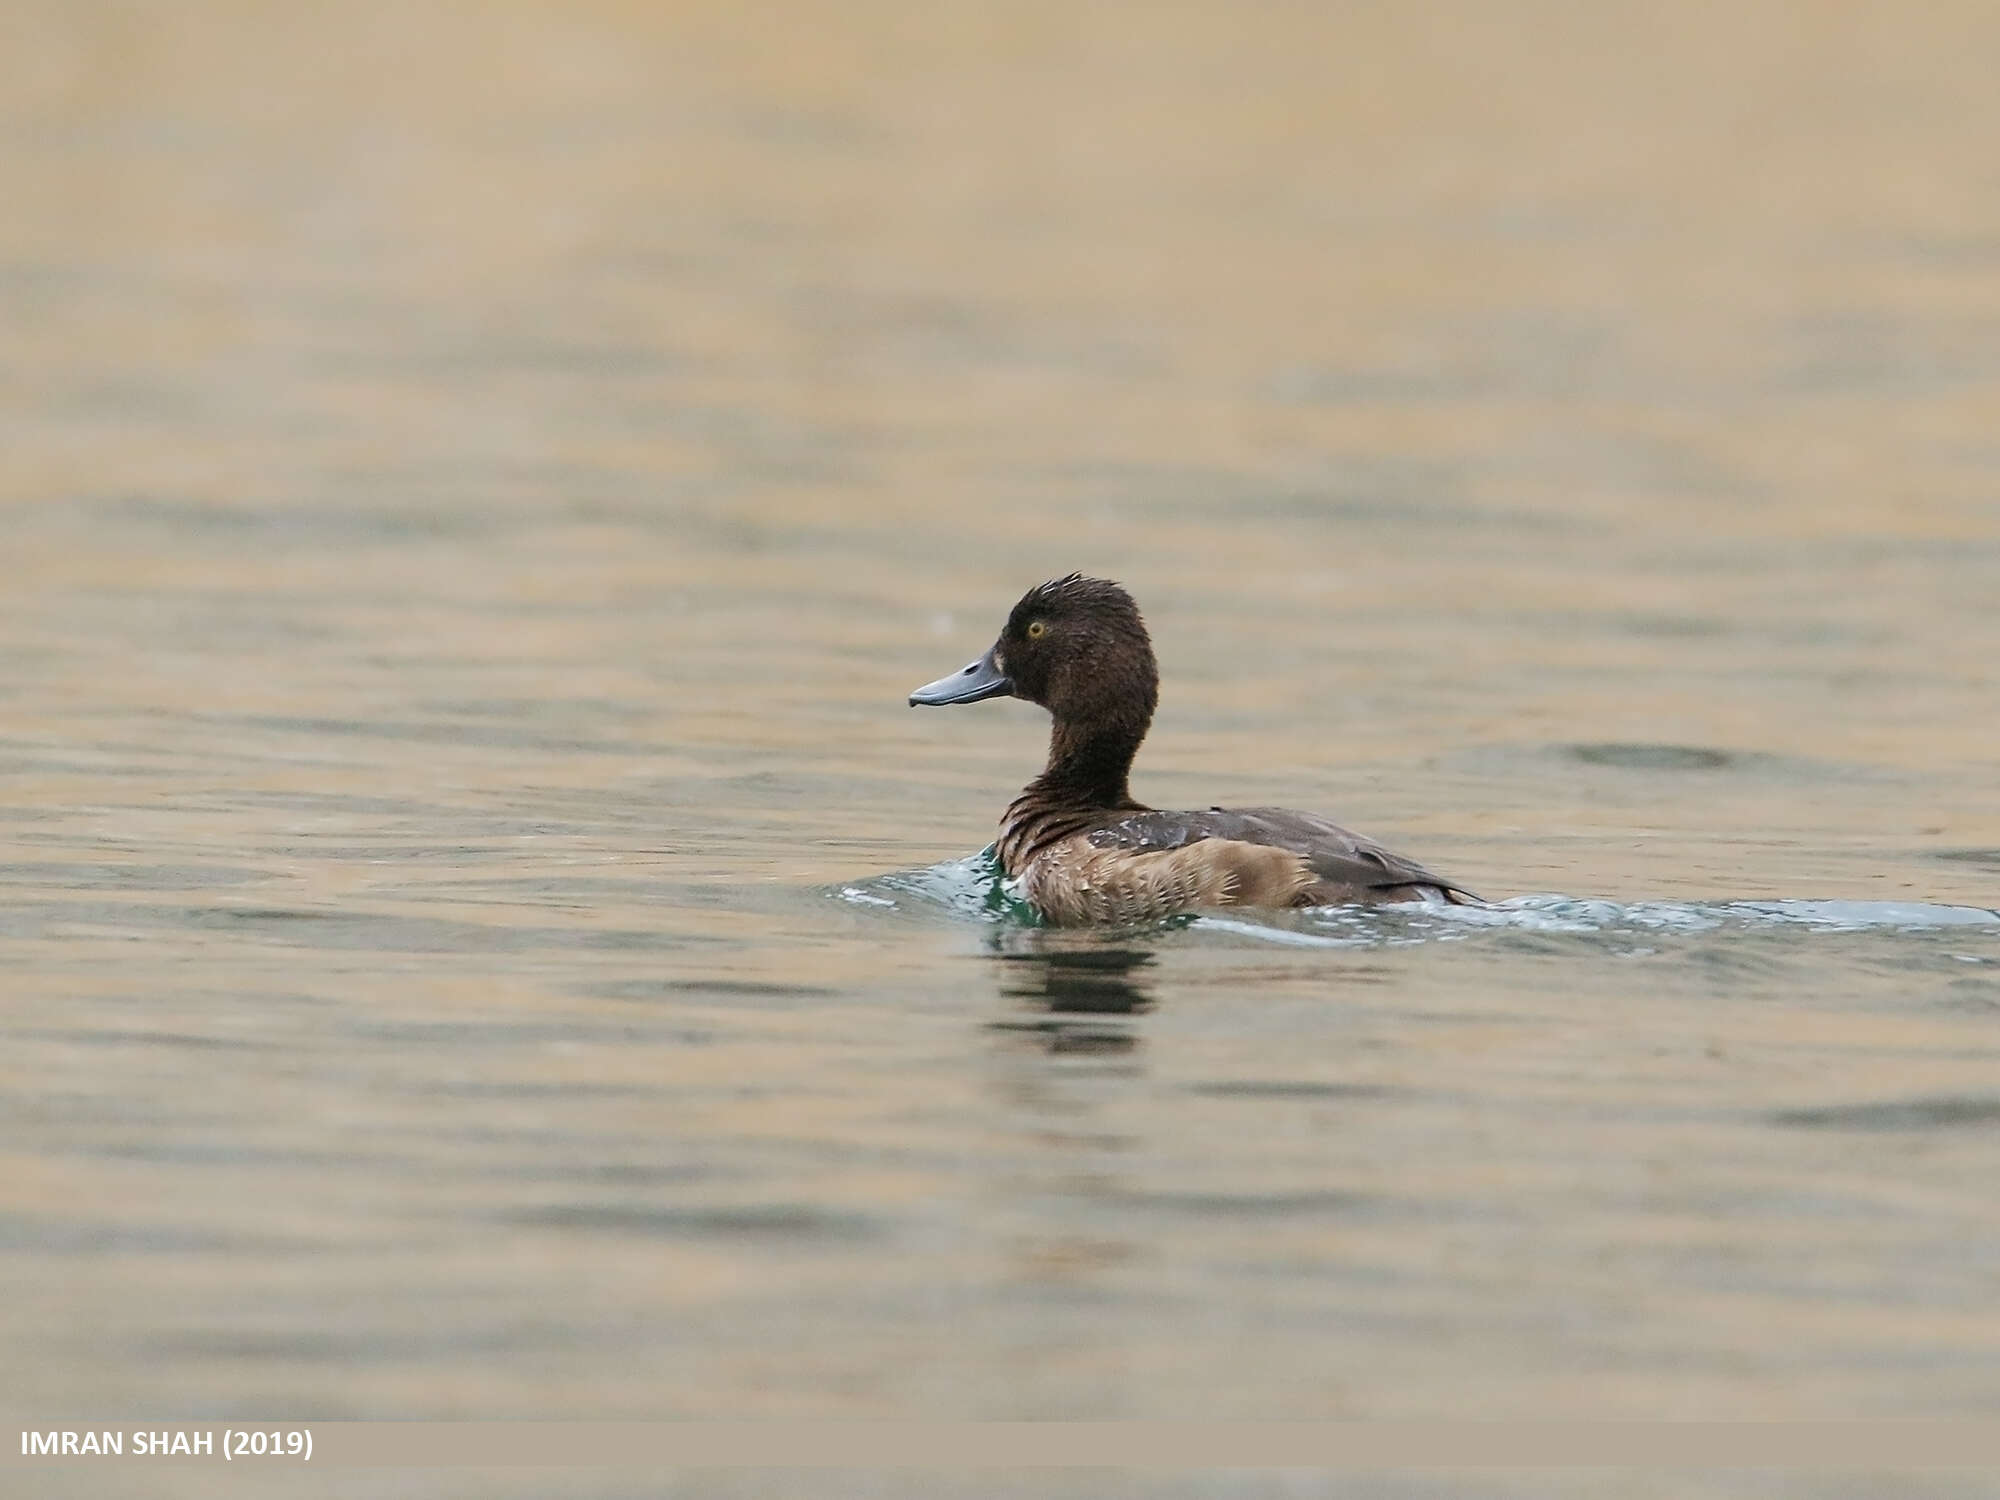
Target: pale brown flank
x=1071 y=882
x=1134 y=864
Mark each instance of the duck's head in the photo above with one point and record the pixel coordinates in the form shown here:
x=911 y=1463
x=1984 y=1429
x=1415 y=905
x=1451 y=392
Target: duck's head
x=1074 y=645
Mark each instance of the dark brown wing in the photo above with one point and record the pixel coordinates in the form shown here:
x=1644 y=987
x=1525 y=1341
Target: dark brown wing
x=1337 y=856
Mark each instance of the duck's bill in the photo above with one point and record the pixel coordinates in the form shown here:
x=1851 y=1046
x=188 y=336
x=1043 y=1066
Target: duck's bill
x=983 y=679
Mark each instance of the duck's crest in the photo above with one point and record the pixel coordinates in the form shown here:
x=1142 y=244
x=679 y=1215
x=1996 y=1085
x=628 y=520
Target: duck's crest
x=1061 y=585
x=1080 y=590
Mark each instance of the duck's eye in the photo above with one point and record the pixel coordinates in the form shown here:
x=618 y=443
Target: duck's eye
x=1037 y=629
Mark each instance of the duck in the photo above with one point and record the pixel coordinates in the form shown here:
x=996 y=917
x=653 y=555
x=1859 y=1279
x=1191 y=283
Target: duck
x=1076 y=844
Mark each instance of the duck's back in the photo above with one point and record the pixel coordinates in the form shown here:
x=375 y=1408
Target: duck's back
x=1140 y=864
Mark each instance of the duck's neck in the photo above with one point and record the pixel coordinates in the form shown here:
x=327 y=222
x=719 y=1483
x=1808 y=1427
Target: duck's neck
x=1088 y=765
x=1085 y=776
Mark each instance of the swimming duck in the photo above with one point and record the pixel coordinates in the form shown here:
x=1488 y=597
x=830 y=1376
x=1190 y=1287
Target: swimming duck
x=1080 y=847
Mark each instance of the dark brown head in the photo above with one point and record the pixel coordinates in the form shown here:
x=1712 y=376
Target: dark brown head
x=1074 y=645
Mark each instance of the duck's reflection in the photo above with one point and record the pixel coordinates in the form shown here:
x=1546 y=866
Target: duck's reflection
x=1066 y=1103
x=1073 y=988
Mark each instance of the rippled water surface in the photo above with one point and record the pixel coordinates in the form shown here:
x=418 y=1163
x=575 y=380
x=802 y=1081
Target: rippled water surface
x=483 y=937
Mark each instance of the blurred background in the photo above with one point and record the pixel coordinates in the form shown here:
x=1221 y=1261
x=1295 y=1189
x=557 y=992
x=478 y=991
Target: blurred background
x=480 y=480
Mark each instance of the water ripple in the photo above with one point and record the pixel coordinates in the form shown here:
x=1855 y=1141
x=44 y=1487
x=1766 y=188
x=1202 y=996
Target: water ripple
x=975 y=887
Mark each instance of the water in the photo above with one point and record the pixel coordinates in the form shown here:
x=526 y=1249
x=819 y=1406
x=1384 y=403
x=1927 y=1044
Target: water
x=483 y=937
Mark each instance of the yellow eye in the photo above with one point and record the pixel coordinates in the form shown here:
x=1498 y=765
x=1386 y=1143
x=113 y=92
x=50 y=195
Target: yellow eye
x=1037 y=629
